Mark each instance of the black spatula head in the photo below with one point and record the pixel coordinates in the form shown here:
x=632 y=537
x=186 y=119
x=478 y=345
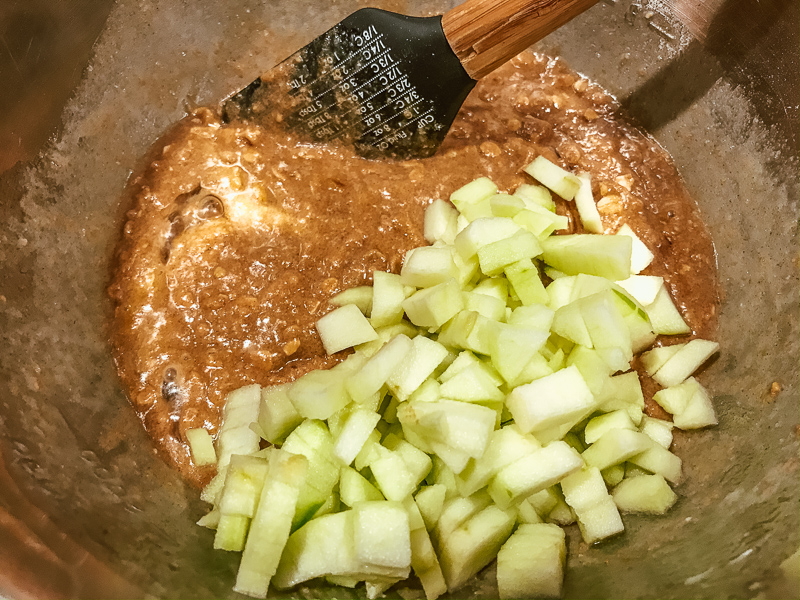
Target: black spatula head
x=388 y=85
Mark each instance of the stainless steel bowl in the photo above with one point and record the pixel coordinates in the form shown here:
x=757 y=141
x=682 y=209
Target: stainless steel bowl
x=87 y=510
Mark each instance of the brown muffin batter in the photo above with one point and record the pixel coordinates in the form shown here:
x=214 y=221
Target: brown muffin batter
x=236 y=238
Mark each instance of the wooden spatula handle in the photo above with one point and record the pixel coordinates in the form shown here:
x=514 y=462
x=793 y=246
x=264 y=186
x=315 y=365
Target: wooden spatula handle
x=486 y=33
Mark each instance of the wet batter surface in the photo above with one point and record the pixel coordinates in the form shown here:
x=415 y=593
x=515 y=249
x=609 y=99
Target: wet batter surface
x=236 y=238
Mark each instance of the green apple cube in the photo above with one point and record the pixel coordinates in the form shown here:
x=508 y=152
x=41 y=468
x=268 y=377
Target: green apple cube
x=434 y=306
x=369 y=452
x=393 y=476
x=482 y=232
x=553 y=177
x=474 y=545
x=533 y=473
x=372 y=376
x=631 y=471
x=660 y=461
x=457 y=511
x=428 y=266
x=543 y=501
x=615 y=446
x=664 y=317
x=462 y=361
x=235 y=436
x=277 y=416
x=479 y=210
x=354 y=434
x=641 y=257
x=505 y=446
x=606 y=256
x=689 y=404
x=601 y=521
x=430 y=502
x=426 y=565
x=568 y=322
x=474 y=192
x=201 y=445
x=415 y=520
x=505 y=205
x=554 y=273
x=623 y=392
x=562 y=513
x=640 y=329
x=387 y=299
x=685 y=362
x=576 y=443
x=382 y=535
x=539 y=221
x=462 y=426
x=307 y=554
x=535 y=194
x=613 y=474
x=587 y=209
x=531 y=562
x=605 y=324
x=344 y=327
x=385 y=334
x=536 y=368
x=526 y=514
x=658 y=430
x=443 y=475
x=483 y=304
x=618 y=419
x=428 y=391
x=360 y=296
x=466 y=427
x=313 y=440
x=210 y=519
x=593 y=368
x=270 y=527
x=643 y=288
x=419 y=464
x=354 y=487
x=440 y=222
x=654 y=359
x=494 y=257
x=477 y=337
x=559 y=292
x=524 y=278
x=644 y=494
x=244 y=479
x=584 y=489
x=589 y=285
x=536 y=316
x=557 y=399
x=455 y=459
x=598 y=517
x=231 y=533
x=467 y=268
x=319 y=394
x=514 y=347
x=423 y=358
x=496 y=287
x=471 y=384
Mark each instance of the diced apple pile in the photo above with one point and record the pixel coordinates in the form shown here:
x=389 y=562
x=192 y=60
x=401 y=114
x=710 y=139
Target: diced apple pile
x=480 y=411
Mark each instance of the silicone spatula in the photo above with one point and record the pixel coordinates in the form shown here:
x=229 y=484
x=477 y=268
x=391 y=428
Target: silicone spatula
x=390 y=85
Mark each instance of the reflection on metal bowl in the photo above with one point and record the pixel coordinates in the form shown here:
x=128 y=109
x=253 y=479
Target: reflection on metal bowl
x=87 y=510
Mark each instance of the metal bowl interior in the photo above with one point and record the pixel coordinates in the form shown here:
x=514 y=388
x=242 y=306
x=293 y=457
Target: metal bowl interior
x=97 y=514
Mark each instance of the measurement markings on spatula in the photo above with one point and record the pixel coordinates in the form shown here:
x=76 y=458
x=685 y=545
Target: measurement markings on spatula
x=362 y=91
